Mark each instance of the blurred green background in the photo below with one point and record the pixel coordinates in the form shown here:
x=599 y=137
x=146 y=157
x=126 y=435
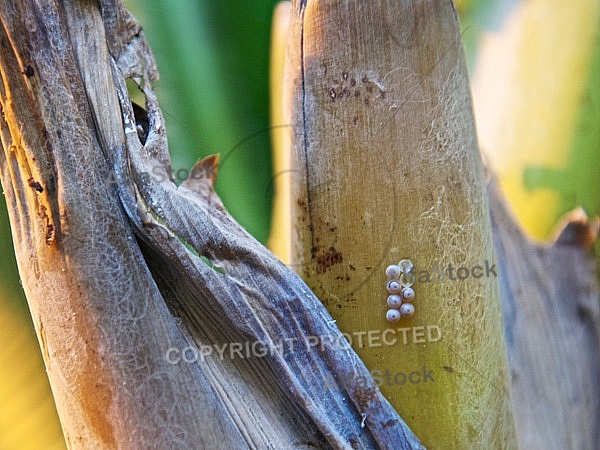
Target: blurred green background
x=213 y=62
x=213 y=59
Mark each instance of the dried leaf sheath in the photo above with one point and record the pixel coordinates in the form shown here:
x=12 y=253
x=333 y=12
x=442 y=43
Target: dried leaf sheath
x=256 y=299
x=101 y=315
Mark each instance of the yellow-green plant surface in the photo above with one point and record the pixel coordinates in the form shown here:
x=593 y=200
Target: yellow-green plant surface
x=27 y=414
x=536 y=90
x=350 y=186
x=28 y=418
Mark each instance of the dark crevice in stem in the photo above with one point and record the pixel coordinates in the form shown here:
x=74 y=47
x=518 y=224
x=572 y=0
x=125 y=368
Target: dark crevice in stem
x=305 y=134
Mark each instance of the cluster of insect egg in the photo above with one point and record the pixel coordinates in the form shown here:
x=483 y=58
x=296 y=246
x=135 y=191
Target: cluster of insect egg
x=399 y=284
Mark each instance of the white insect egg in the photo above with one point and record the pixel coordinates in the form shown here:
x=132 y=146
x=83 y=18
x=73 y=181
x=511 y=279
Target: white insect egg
x=394 y=287
x=393 y=315
x=406 y=265
x=407 y=309
x=407 y=279
x=392 y=271
x=408 y=294
x=394 y=301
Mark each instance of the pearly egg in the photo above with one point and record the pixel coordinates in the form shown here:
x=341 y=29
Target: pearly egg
x=394 y=287
x=392 y=271
x=393 y=315
x=408 y=294
x=405 y=265
x=394 y=301
x=407 y=309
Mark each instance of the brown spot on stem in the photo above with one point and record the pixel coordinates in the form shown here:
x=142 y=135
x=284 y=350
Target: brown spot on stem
x=330 y=258
x=35 y=185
